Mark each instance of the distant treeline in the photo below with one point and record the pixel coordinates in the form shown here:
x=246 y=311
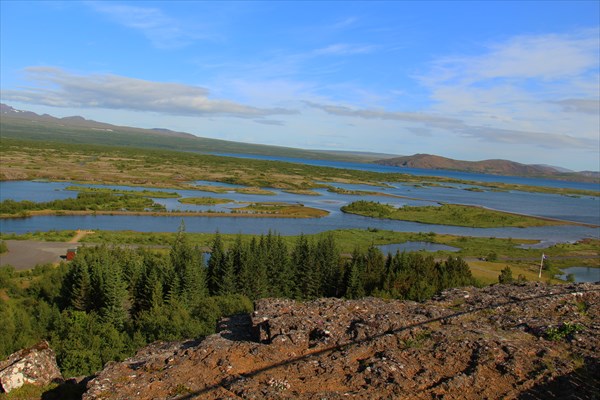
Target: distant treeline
x=109 y=301
x=92 y=201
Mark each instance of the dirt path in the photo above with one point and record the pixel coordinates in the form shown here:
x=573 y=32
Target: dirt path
x=79 y=235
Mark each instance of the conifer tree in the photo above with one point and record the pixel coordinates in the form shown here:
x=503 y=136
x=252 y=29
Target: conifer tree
x=149 y=290
x=352 y=280
x=257 y=268
x=80 y=295
x=113 y=295
x=239 y=261
x=189 y=269
x=278 y=269
x=227 y=283
x=328 y=260
x=506 y=276
x=216 y=265
x=374 y=265
x=454 y=272
x=305 y=270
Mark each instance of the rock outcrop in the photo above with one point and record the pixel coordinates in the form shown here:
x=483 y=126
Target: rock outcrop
x=502 y=342
x=35 y=365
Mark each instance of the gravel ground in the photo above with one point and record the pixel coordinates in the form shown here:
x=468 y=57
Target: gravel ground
x=26 y=254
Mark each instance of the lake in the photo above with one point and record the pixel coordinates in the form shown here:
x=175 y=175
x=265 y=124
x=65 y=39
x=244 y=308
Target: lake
x=582 y=274
x=584 y=209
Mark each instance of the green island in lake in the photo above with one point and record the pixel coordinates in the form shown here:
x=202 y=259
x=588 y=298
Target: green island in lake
x=448 y=214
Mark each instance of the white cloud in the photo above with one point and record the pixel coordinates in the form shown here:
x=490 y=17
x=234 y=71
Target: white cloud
x=462 y=129
x=163 y=31
x=544 y=57
x=539 y=89
x=269 y=122
x=59 y=88
x=344 y=49
x=585 y=106
x=385 y=115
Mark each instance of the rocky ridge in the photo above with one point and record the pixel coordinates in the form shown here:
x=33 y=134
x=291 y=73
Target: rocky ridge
x=506 y=341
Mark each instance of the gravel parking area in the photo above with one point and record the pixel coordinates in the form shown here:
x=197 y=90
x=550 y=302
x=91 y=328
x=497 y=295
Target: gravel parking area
x=26 y=254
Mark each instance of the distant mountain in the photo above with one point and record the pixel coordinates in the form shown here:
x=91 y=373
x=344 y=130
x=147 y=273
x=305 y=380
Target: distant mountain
x=494 y=167
x=28 y=125
x=559 y=169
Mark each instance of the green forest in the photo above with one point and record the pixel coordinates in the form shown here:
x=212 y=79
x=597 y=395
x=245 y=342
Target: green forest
x=111 y=300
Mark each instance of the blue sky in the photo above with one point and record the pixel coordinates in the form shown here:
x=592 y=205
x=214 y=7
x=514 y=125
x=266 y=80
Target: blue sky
x=468 y=80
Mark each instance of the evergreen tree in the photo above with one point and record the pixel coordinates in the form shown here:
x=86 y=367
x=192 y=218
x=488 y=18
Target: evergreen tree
x=133 y=265
x=257 y=255
x=374 y=265
x=306 y=270
x=506 y=276
x=113 y=295
x=277 y=265
x=227 y=283
x=149 y=291
x=216 y=265
x=353 y=283
x=239 y=260
x=328 y=259
x=81 y=286
x=189 y=269
x=454 y=272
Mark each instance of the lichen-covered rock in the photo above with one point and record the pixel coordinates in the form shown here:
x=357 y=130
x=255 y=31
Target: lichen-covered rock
x=35 y=365
x=468 y=343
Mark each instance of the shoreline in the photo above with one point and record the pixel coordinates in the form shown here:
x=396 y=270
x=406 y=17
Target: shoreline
x=30 y=214
x=557 y=221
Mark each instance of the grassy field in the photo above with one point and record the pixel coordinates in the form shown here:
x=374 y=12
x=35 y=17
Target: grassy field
x=447 y=214
x=205 y=201
x=59 y=131
x=26 y=160
x=22 y=159
x=142 y=193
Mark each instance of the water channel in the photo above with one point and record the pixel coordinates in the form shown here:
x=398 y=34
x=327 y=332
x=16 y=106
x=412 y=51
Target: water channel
x=582 y=209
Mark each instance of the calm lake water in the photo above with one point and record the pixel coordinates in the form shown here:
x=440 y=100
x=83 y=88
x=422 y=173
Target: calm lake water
x=44 y=191
x=582 y=274
x=580 y=209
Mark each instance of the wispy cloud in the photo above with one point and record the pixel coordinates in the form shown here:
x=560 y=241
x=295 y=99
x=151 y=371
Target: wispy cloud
x=529 y=89
x=269 y=122
x=384 y=115
x=344 y=23
x=162 y=30
x=585 y=106
x=545 y=57
x=460 y=128
x=344 y=49
x=58 y=88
